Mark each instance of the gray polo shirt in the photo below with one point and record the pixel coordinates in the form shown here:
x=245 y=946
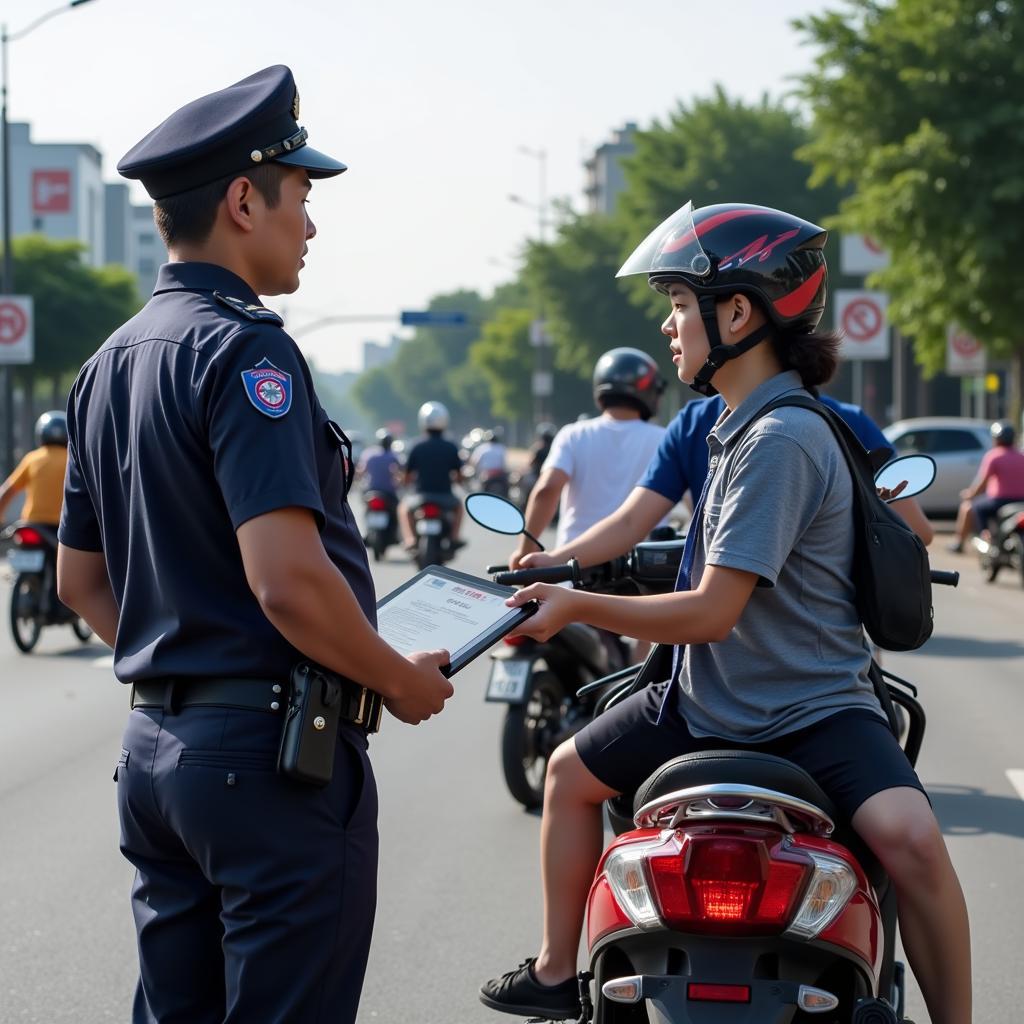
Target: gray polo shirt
x=781 y=506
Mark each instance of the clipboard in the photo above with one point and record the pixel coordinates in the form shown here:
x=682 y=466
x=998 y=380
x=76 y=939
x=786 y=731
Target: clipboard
x=460 y=586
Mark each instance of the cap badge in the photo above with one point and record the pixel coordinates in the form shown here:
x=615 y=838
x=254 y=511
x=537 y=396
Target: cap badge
x=268 y=388
x=295 y=106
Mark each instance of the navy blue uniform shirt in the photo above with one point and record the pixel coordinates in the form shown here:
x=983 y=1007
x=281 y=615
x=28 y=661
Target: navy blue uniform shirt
x=681 y=462
x=433 y=460
x=195 y=416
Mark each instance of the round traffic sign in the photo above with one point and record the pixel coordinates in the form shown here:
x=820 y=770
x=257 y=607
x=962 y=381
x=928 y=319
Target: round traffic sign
x=862 y=320
x=871 y=245
x=12 y=323
x=965 y=345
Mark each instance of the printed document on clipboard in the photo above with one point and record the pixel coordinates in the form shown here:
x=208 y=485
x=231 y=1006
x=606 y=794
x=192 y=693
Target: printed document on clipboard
x=441 y=608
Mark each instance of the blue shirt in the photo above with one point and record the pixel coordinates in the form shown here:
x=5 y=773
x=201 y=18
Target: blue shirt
x=380 y=468
x=194 y=417
x=681 y=462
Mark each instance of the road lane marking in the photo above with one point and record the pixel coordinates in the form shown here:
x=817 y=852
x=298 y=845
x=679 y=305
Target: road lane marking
x=1016 y=777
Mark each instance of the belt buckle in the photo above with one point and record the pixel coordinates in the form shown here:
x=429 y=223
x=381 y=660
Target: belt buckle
x=368 y=715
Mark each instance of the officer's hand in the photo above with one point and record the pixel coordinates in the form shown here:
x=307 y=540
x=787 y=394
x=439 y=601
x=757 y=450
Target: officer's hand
x=424 y=690
x=557 y=609
x=534 y=560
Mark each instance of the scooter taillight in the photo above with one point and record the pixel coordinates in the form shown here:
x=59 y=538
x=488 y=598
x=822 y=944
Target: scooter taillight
x=377 y=505
x=1019 y=525
x=727 y=882
x=720 y=880
x=28 y=537
x=515 y=641
x=430 y=511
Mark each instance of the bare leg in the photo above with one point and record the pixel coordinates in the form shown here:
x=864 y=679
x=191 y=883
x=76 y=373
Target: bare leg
x=964 y=522
x=570 y=847
x=405 y=523
x=456 y=520
x=899 y=826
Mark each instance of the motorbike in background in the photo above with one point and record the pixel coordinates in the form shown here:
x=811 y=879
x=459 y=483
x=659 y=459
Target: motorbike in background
x=540 y=682
x=432 y=523
x=381 y=521
x=1004 y=547
x=34 y=602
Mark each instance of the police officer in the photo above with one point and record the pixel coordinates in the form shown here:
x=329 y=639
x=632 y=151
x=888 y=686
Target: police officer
x=206 y=536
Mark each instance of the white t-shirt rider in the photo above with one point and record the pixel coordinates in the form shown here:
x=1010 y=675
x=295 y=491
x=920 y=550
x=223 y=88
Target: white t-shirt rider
x=603 y=458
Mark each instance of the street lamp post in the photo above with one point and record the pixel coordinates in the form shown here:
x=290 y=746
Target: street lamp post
x=541 y=371
x=7 y=284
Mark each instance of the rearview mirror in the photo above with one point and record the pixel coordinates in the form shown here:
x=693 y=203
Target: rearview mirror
x=916 y=471
x=498 y=515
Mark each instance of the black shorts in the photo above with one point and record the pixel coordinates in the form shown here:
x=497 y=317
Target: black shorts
x=852 y=754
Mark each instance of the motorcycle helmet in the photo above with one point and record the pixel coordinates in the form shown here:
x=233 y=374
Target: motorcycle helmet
x=1003 y=434
x=384 y=439
x=433 y=416
x=546 y=431
x=628 y=373
x=52 y=428
x=771 y=256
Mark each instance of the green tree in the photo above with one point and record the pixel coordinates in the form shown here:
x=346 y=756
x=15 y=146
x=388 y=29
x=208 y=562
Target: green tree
x=75 y=306
x=917 y=107
x=376 y=394
x=587 y=311
x=504 y=356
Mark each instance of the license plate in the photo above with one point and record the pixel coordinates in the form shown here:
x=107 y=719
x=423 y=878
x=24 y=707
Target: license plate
x=508 y=680
x=377 y=520
x=428 y=527
x=27 y=561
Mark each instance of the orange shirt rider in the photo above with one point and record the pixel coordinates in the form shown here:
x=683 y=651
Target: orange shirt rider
x=41 y=475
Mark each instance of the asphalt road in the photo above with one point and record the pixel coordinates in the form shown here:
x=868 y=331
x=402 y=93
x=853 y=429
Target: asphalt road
x=459 y=879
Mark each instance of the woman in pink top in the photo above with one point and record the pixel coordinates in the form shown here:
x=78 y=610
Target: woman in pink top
x=1000 y=477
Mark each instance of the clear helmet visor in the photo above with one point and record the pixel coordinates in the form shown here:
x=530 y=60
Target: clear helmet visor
x=671 y=248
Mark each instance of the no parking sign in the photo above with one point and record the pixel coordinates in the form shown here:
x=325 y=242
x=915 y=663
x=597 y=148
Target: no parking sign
x=16 y=330
x=965 y=355
x=861 y=315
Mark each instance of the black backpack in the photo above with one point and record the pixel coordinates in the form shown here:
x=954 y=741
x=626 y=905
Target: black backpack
x=891 y=573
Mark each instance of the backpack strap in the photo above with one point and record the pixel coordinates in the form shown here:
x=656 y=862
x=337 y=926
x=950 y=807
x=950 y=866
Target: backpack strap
x=860 y=465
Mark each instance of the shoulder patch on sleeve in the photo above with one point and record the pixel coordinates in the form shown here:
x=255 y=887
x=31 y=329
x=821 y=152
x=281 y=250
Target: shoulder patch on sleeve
x=268 y=388
x=260 y=314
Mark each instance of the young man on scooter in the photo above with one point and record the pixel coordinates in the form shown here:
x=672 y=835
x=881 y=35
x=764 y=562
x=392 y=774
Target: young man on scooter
x=771 y=654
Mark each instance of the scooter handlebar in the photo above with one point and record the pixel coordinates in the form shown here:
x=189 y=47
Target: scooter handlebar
x=568 y=573
x=492 y=569
x=947 y=579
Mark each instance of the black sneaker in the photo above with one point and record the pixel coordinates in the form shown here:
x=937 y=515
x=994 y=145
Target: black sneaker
x=521 y=993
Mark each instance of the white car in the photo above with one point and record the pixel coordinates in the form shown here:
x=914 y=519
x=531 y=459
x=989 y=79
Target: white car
x=956 y=444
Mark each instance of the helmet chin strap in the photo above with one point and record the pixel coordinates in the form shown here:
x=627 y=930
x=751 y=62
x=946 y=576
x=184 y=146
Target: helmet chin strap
x=719 y=353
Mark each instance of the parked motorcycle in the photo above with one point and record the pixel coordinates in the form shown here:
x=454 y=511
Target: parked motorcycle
x=733 y=892
x=381 y=521
x=433 y=526
x=34 y=601
x=1004 y=548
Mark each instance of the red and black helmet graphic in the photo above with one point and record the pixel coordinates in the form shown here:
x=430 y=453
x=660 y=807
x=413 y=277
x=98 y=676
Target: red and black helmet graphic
x=767 y=254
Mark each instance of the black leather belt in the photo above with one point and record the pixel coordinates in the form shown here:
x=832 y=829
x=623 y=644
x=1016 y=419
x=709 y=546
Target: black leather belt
x=174 y=694
x=359 y=705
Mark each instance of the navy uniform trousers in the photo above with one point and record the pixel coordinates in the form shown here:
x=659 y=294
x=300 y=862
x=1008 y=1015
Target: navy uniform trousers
x=254 y=896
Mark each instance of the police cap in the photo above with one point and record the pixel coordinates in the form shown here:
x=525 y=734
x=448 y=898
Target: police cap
x=227 y=132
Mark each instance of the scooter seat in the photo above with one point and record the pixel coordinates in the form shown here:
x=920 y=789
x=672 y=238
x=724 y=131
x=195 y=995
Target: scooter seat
x=751 y=768
x=742 y=767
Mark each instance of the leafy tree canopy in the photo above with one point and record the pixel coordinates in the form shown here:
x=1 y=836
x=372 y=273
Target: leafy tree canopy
x=917 y=106
x=76 y=306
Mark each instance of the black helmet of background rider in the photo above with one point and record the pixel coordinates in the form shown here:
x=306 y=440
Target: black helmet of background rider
x=52 y=428
x=627 y=376
x=771 y=256
x=384 y=439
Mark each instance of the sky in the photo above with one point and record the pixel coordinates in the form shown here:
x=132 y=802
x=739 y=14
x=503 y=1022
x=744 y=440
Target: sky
x=429 y=103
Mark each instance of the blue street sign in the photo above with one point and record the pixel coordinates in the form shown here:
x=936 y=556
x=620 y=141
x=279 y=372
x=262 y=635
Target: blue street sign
x=432 y=318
